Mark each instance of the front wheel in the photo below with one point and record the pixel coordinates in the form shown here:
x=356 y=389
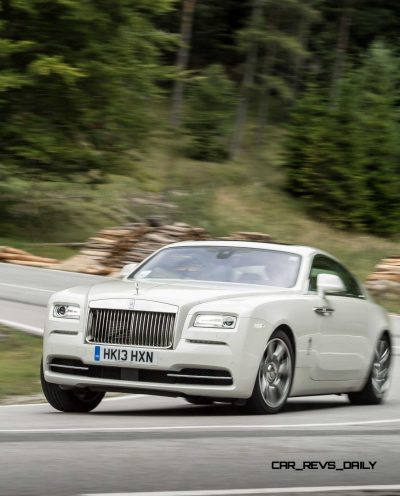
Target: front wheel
x=378 y=381
x=275 y=376
x=77 y=400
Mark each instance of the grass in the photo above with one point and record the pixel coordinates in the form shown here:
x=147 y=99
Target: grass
x=20 y=356
x=245 y=194
x=248 y=194
x=43 y=250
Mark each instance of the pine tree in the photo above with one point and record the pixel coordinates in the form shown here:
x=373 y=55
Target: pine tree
x=250 y=44
x=271 y=40
x=344 y=160
x=182 y=61
x=76 y=78
x=209 y=114
x=282 y=48
x=379 y=138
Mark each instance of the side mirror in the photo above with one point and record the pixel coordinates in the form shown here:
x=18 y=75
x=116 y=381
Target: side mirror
x=127 y=270
x=329 y=283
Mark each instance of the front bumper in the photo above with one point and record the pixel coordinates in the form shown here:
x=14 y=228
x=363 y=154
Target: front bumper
x=237 y=352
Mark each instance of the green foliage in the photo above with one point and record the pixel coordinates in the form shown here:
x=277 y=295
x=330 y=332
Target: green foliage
x=75 y=81
x=20 y=356
x=379 y=139
x=81 y=83
x=36 y=210
x=343 y=159
x=209 y=117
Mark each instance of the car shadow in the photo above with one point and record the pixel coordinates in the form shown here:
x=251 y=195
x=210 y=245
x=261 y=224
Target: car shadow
x=222 y=409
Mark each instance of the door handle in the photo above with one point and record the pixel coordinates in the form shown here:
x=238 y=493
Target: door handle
x=324 y=311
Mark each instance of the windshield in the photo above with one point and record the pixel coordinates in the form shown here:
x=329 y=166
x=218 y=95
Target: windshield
x=223 y=264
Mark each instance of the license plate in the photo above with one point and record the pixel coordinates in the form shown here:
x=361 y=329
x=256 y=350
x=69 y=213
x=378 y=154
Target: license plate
x=126 y=355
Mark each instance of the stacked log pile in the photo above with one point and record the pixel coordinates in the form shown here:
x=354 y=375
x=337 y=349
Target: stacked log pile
x=108 y=245
x=84 y=265
x=110 y=249
x=22 y=257
x=157 y=237
x=248 y=236
x=385 y=280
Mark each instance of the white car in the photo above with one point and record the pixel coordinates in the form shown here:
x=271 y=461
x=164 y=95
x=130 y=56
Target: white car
x=241 y=322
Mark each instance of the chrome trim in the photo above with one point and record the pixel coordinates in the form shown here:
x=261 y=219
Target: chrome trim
x=131 y=328
x=68 y=366
x=70 y=333
x=323 y=310
x=139 y=305
x=188 y=376
x=204 y=341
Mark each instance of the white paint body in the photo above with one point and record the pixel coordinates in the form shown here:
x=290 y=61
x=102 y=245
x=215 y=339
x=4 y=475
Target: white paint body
x=333 y=353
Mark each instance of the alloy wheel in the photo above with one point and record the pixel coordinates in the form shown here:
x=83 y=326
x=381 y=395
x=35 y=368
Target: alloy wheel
x=275 y=373
x=381 y=366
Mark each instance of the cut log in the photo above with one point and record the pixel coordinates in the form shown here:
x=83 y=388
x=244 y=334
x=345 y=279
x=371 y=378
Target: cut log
x=32 y=263
x=10 y=249
x=26 y=258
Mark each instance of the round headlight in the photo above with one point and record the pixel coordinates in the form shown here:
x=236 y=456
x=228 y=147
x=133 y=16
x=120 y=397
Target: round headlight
x=215 y=320
x=61 y=310
x=228 y=321
x=65 y=311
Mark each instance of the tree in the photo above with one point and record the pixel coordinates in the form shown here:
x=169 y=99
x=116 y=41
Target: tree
x=271 y=43
x=282 y=46
x=379 y=138
x=209 y=114
x=182 y=60
x=251 y=47
x=344 y=160
x=341 y=48
x=76 y=79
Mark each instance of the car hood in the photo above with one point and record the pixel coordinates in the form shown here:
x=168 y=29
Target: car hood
x=178 y=293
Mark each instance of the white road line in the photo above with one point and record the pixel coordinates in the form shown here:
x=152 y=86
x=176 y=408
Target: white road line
x=37 y=331
x=267 y=490
x=37 y=269
x=113 y=398
x=23 y=405
x=128 y=397
x=195 y=427
x=27 y=287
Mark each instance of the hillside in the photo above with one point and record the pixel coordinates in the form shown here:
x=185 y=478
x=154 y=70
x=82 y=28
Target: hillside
x=247 y=194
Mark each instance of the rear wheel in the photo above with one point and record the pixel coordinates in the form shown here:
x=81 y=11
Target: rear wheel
x=378 y=380
x=275 y=376
x=70 y=400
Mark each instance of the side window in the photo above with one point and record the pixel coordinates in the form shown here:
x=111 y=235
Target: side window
x=320 y=265
x=324 y=265
x=350 y=283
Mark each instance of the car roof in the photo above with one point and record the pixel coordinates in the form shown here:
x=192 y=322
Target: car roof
x=297 y=249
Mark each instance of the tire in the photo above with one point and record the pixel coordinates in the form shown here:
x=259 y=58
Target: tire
x=378 y=381
x=78 y=400
x=198 y=400
x=275 y=376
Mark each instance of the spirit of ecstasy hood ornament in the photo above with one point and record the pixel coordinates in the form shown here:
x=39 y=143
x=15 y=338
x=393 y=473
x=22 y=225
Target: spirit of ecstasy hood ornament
x=137 y=287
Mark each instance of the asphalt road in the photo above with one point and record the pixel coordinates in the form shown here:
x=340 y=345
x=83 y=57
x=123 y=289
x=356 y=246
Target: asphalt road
x=24 y=292
x=139 y=444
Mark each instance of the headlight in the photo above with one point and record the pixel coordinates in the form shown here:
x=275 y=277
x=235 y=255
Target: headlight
x=62 y=311
x=218 y=321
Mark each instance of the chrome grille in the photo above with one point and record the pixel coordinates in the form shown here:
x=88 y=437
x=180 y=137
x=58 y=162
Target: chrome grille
x=131 y=328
